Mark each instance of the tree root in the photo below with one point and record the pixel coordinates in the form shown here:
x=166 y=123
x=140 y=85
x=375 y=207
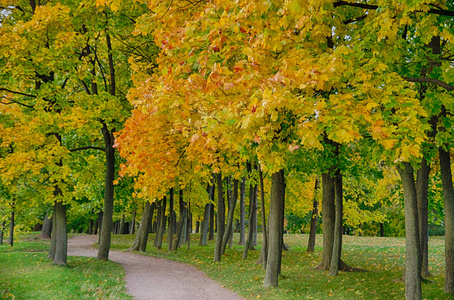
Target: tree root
x=346 y=268
x=342 y=267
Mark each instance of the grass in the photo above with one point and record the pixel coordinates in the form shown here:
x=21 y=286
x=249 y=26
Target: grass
x=383 y=257
x=26 y=273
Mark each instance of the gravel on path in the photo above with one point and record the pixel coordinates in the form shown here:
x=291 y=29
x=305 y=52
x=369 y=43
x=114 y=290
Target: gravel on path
x=149 y=278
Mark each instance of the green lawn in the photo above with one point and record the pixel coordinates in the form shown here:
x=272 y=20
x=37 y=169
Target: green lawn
x=26 y=273
x=383 y=257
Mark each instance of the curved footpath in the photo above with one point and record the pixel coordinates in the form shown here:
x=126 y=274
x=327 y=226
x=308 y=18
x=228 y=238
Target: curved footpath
x=150 y=278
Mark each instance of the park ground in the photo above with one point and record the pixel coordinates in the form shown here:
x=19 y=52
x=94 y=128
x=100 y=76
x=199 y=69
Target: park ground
x=26 y=272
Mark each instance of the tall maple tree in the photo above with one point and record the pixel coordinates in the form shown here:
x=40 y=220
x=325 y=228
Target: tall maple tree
x=64 y=65
x=266 y=77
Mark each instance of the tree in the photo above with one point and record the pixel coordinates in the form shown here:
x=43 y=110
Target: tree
x=265 y=84
x=140 y=243
x=276 y=227
x=314 y=219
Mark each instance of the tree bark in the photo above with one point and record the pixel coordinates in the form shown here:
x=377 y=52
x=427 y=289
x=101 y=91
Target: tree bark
x=412 y=258
x=314 y=219
x=140 y=243
x=220 y=219
x=276 y=229
x=53 y=239
x=90 y=225
x=183 y=220
x=204 y=227
x=171 y=221
x=162 y=223
x=158 y=223
x=242 y=212
x=2 y=229
x=254 y=223
x=328 y=219
x=121 y=228
x=98 y=224
x=61 y=241
x=211 y=230
x=264 y=252
x=106 y=229
x=132 y=225
x=46 y=231
x=11 y=229
x=448 y=196
x=250 y=236
x=189 y=227
x=422 y=188
x=338 y=228
x=229 y=227
x=183 y=211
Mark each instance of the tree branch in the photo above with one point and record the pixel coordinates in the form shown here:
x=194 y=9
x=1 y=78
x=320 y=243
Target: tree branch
x=353 y=4
x=17 y=93
x=64 y=83
x=85 y=87
x=11 y=101
x=346 y=22
x=87 y=148
x=440 y=83
x=440 y=12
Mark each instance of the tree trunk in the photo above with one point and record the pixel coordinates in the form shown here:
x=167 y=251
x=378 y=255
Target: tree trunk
x=162 y=223
x=189 y=227
x=140 y=243
x=11 y=229
x=121 y=228
x=338 y=228
x=205 y=222
x=106 y=230
x=171 y=221
x=242 y=212
x=211 y=230
x=197 y=226
x=412 y=261
x=264 y=252
x=250 y=236
x=254 y=223
x=98 y=224
x=61 y=239
x=220 y=219
x=229 y=227
x=174 y=223
x=422 y=188
x=183 y=220
x=90 y=225
x=276 y=229
x=328 y=219
x=132 y=225
x=448 y=196
x=314 y=219
x=2 y=230
x=158 y=223
x=46 y=231
x=53 y=239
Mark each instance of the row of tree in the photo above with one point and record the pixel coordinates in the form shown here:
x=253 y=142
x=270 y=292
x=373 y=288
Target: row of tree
x=199 y=93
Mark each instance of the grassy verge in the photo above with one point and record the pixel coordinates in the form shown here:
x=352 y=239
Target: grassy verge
x=26 y=273
x=382 y=257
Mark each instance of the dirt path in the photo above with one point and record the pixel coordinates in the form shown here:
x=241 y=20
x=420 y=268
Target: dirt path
x=150 y=278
